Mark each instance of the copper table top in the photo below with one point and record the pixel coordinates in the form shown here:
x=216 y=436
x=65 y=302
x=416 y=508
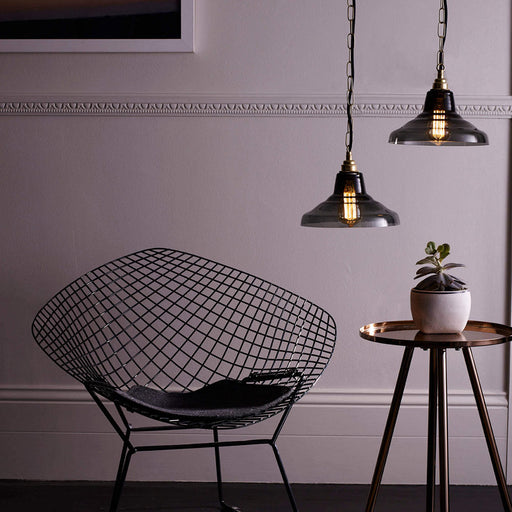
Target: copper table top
x=404 y=333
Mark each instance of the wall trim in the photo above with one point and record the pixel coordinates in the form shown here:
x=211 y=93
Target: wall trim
x=239 y=105
x=328 y=430
x=315 y=397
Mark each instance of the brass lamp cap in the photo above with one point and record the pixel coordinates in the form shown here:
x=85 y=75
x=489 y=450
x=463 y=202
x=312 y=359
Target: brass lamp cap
x=440 y=82
x=349 y=165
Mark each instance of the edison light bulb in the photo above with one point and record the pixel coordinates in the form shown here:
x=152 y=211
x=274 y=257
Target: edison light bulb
x=348 y=210
x=438 y=130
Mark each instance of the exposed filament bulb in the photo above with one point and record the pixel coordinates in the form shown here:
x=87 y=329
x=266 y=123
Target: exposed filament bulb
x=438 y=130
x=348 y=210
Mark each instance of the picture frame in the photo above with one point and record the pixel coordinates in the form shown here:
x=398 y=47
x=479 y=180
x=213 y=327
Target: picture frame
x=183 y=44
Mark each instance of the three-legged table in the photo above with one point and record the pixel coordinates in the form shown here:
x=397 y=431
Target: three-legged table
x=405 y=334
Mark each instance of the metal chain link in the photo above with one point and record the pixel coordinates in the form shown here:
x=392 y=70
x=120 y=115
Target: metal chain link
x=351 y=16
x=441 y=33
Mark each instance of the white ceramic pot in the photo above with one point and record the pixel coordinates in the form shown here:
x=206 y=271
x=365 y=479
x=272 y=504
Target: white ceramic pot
x=440 y=312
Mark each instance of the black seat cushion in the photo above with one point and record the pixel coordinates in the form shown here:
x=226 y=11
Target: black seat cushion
x=223 y=400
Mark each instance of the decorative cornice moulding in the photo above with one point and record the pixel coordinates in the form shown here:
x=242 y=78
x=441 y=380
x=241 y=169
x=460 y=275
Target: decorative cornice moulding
x=369 y=105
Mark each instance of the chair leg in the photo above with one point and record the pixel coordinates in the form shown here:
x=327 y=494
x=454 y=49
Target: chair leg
x=291 y=497
x=224 y=507
x=124 y=462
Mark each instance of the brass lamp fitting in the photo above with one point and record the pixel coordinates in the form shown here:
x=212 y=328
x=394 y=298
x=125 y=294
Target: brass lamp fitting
x=440 y=82
x=349 y=165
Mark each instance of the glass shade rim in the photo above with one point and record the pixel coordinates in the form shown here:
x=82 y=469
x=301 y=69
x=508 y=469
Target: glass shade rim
x=459 y=131
x=372 y=214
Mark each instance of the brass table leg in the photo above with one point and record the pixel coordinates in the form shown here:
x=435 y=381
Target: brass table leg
x=390 y=426
x=486 y=425
x=432 y=431
x=443 y=432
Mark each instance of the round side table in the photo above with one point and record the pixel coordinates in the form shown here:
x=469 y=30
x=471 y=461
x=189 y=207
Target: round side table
x=404 y=333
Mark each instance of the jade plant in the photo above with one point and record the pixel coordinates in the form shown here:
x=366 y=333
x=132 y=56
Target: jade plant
x=438 y=278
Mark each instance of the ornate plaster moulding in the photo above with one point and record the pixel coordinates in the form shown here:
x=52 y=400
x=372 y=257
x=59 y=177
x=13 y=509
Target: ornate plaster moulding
x=237 y=105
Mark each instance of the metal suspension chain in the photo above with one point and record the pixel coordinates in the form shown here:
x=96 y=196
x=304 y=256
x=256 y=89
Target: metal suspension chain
x=441 y=33
x=351 y=16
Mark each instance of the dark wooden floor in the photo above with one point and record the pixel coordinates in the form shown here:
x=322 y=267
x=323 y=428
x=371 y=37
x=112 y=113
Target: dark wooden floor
x=17 y=496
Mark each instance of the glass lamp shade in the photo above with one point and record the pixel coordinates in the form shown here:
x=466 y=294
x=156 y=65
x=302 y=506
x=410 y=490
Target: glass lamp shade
x=350 y=207
x=439 y=124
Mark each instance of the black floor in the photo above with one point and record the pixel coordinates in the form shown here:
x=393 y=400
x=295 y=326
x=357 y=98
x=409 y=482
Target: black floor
x=17 y=496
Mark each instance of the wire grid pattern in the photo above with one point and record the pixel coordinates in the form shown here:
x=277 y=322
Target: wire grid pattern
x=175 y=321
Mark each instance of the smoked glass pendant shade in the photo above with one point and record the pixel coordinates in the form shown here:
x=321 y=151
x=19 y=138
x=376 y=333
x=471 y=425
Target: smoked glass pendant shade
x=439 y=124
x=350 y=206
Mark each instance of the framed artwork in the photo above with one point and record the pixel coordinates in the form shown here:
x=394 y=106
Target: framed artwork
x=96 y=26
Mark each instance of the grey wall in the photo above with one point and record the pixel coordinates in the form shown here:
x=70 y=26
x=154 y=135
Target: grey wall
x=81 y=184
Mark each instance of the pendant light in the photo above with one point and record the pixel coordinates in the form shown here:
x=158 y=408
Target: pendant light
x=439 y=124
x=350 y=206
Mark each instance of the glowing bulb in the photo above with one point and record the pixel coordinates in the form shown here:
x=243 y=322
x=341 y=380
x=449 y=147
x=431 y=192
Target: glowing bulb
x=348 y=210
x=438 y=130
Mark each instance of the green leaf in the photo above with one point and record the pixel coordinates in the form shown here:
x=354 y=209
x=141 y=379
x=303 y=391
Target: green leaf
x=428 y=259
x=453 y=283
x=429 y=283
x=453 y=265
x=431 y=248
x=445 y=278
x=423 y=271
x=443 y=250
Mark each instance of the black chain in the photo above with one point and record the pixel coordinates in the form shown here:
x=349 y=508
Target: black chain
x=441 y=33
x=351 y=15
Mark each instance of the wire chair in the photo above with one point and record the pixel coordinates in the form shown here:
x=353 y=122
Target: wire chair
x=186 y=341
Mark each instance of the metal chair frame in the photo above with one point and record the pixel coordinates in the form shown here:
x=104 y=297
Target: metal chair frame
x=170 y=320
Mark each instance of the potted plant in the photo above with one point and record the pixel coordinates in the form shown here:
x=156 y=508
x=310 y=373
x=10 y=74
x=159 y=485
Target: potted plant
x=440 y=303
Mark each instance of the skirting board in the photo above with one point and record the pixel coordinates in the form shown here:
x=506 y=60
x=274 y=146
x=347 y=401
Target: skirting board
x=76 y=393
x=332 y=436
x=242 y=105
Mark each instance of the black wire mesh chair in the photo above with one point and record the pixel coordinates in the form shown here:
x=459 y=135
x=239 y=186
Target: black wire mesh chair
x=189 y=342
